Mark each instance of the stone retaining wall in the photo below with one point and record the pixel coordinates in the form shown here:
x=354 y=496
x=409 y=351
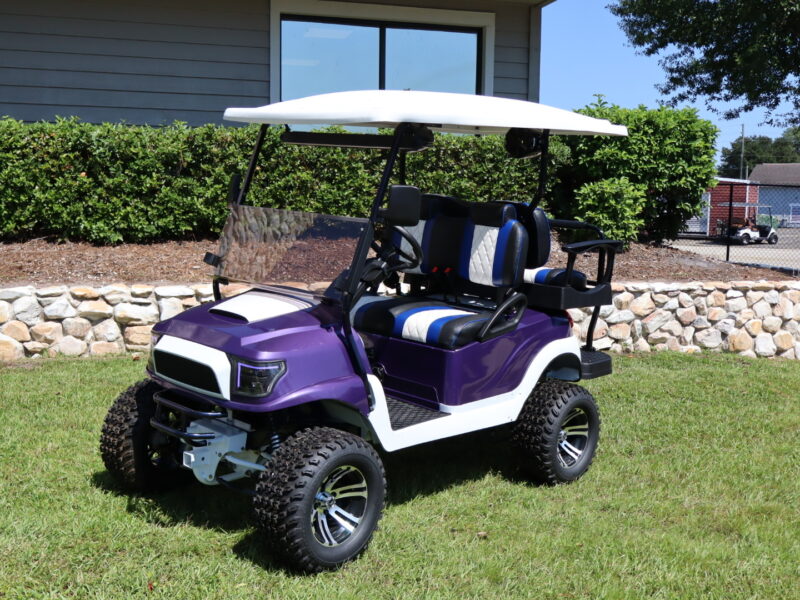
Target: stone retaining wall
x=751 y=318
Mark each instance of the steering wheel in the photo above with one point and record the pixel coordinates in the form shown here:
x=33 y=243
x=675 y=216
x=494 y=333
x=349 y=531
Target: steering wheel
x=407 y=261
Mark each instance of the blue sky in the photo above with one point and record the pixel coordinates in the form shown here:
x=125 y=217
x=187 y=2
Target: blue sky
x=584 y=52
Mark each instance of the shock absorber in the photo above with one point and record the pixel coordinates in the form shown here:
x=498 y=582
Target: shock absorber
x=274 y=442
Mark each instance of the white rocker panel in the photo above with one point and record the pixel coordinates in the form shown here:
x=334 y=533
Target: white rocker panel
x=482 y=414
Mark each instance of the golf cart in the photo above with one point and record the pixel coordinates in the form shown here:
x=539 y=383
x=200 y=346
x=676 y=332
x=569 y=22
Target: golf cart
x=431 y=318
x=747 y=230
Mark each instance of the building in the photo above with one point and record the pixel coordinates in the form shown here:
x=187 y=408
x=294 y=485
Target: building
x=717 y=207
x=780 y=189
x=144 y=61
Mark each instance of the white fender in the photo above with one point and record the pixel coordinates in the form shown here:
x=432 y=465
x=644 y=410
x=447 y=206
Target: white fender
x=481 y=414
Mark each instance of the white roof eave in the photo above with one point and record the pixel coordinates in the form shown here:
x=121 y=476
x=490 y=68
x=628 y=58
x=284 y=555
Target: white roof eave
x=453 y=113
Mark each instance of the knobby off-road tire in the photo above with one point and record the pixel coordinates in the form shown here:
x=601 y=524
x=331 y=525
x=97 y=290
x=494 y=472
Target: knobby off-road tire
x=321 y=499
x=557 y=432
x=140 y=458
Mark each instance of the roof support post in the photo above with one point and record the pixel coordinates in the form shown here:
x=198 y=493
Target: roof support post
x=251 y=168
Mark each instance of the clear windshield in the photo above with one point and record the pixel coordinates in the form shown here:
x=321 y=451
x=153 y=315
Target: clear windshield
x=270 y=246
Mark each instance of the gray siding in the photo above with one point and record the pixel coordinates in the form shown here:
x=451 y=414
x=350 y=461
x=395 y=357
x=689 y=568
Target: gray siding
x=145 y=61
x=140 y=60
x=780 y=199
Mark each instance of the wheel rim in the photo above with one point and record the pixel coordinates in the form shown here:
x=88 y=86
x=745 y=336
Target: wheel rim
x=573 y=438
x=339 y=506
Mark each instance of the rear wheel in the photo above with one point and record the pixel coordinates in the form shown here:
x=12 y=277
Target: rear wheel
x=321 y=499
x=557 y=432
x=140 y=458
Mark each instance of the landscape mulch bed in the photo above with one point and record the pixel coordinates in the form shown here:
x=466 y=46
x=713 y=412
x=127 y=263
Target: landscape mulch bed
x=42 y=262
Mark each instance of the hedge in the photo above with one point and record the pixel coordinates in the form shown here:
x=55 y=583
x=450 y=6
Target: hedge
x=655 y=177
x=112 y=183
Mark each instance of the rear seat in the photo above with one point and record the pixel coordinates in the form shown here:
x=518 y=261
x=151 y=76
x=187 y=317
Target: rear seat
x=470 y=246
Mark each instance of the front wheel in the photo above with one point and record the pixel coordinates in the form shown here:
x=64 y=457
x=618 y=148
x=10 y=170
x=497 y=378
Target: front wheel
x=557 y=432
x=321 y=499
x=140 y=458
x=745 y=240
x=773 y=239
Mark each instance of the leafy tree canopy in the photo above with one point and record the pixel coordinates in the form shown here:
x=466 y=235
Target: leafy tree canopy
x=741 y=51
x=645 y=185
x=760 y=149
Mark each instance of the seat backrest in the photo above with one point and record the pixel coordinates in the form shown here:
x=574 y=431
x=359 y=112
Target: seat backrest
x=538 y=227
x=482 y=243
x=494 y=246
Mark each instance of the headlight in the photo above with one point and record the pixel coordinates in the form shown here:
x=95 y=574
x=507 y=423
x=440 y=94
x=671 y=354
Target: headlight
x=255 y=378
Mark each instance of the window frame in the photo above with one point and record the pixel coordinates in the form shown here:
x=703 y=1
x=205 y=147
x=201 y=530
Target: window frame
x=384 y=16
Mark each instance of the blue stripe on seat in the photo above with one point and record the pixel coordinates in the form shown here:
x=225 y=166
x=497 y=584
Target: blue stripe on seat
x=435 y=328
x=500 y=252
x=541 y=276
x=466 y=250
x=401 y=319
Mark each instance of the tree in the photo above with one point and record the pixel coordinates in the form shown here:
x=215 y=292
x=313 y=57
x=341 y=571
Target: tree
x=760 y=149
x=741 y=51
x=648 y=183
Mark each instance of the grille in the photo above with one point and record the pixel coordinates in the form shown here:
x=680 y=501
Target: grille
x=184 y=370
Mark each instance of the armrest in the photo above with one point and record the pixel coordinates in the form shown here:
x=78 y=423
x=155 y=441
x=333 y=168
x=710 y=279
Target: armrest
x=589 y=245
x=516 y=301
x=568 y=224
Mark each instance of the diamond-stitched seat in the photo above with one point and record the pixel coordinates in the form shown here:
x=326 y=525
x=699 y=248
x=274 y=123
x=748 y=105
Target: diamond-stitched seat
x=468 y=245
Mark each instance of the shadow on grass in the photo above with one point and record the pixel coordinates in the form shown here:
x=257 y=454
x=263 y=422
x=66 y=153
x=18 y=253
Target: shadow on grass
x=418 y=471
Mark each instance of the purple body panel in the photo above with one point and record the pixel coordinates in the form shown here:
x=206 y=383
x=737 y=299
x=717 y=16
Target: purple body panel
x=309 y=341
x=428 y=375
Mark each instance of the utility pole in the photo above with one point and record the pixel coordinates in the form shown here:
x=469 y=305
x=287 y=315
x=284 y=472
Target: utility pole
x=741 y=157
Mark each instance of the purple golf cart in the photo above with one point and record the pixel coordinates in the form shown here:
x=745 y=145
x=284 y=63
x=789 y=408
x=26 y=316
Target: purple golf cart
x=433 y=317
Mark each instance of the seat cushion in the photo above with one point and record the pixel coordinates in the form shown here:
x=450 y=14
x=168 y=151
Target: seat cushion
x=420 y=320
x=556 y=277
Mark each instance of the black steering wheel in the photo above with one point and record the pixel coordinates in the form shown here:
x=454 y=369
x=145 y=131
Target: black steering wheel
x=395 y=253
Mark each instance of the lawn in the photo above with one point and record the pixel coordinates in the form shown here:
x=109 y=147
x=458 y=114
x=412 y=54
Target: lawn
x=694 y=493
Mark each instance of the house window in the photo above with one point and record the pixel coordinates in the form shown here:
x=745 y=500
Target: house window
x=326 y=46
x=330 y=55
x=794 y=213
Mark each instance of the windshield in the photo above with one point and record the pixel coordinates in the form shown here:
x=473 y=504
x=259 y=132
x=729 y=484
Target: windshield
x=266 y=246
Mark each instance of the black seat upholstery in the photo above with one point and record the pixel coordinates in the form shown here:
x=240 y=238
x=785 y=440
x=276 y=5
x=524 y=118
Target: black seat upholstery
x=421 y=320
x=539 y=253
x=471 y=246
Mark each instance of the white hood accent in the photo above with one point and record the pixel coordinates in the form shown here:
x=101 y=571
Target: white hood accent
x=257 y=305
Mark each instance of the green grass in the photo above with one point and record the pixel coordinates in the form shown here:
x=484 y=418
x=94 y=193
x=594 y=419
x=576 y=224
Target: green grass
x=694 y=493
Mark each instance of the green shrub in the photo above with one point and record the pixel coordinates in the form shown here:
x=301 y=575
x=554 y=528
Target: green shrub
x=114 y=183
x=614 y=204
x=669 y=153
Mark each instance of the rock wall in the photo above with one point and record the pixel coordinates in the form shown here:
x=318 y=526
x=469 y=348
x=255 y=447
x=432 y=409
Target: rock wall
x=751 y=318
x=85 y=321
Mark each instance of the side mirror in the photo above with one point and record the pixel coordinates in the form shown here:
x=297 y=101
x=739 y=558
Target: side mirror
x=405 y=204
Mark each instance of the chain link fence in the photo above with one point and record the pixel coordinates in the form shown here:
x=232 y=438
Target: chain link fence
x=749 y=223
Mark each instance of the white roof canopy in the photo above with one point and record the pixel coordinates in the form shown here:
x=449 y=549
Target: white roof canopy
x=454 y=113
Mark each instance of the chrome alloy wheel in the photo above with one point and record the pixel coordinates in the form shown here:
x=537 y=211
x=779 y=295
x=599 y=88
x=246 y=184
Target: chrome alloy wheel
x=573 y=437
x=339 y=506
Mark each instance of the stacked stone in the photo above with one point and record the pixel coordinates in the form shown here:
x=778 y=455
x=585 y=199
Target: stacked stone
x=750 y=318
x=84 y=321
x=759 y=318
